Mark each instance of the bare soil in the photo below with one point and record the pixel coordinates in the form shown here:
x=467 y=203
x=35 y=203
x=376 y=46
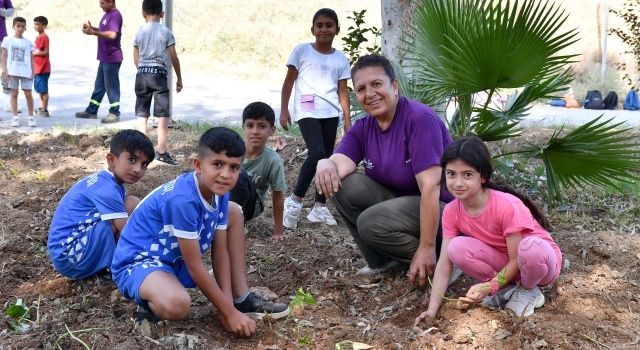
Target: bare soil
x=594 y=305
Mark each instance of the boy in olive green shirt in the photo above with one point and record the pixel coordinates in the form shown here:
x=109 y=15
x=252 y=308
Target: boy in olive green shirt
x=262 y=168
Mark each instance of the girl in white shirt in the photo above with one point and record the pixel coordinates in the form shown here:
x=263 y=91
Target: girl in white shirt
x=319 y=73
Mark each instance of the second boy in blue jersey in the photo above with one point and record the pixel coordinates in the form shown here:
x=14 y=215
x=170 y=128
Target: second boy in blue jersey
x=91 y=215
x=159 y=253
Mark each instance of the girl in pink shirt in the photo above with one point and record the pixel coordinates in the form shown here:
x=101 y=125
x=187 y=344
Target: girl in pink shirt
x=493 y=234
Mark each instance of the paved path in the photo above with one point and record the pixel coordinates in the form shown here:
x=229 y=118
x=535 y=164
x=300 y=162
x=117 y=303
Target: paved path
x=205 y=97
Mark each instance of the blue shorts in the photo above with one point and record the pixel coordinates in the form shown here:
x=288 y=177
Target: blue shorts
x=41 y=83
x=91 y=253
x=130 y=277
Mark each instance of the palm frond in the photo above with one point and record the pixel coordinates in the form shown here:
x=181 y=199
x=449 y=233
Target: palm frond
x=467 y=46
x=491 y=127
x=596 y=153
x=547 y=88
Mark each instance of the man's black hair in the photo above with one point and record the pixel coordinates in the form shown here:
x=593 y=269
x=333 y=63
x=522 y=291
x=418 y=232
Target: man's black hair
x=132 y=141
x=220 y=139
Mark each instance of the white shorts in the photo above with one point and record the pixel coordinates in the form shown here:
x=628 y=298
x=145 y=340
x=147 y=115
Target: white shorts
x=16 y=82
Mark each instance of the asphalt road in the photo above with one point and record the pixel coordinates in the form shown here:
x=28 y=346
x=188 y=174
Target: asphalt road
x=205 y=97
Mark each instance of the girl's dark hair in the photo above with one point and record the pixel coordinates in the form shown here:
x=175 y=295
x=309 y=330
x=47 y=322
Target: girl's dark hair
x=374 y=60
x=327 y=12
x=221 y=140
x=474 y=152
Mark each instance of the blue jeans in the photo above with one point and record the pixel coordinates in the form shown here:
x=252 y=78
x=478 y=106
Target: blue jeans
x=107 y=81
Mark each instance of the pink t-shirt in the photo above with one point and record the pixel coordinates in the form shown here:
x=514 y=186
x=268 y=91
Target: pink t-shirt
x=503 y=215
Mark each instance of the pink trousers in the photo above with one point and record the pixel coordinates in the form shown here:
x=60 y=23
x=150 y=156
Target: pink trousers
x=538 y=263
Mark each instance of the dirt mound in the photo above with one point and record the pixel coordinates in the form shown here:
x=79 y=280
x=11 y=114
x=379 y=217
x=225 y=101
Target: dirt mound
x=594 y=304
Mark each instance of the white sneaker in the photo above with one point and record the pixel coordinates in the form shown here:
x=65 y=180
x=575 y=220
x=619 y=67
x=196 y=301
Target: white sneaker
x=371 y=272
x=31 y=121
x=500 y=299
x=15 y=122
x=291 y=213
x=321 y=214
x=523 y=302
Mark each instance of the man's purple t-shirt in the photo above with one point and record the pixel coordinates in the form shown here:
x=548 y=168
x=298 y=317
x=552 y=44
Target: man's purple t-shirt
x=110 y=51
x=413 y=143
x=5 y=4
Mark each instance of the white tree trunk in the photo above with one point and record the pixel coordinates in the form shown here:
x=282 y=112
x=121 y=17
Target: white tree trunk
x=396 y=20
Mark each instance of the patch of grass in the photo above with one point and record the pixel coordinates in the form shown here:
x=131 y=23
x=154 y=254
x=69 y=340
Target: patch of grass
x=200 y=127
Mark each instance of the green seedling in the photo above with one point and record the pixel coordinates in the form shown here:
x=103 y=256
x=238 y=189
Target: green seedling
x=13 y=171
x=39 y=176
x=20 y=315
x=302 y=299
x=305 y=341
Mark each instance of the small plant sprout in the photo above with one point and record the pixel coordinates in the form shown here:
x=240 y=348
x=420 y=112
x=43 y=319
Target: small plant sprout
x=20 y=315
x=302 y=299
x=305 y=341
x=39 y=176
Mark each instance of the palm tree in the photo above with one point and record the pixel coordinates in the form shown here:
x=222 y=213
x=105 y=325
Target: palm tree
x=458 y=48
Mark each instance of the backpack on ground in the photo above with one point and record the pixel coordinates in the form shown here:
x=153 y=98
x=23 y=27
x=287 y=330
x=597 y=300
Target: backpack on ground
x=631 y=101
x=611 y=100
x=593 y=100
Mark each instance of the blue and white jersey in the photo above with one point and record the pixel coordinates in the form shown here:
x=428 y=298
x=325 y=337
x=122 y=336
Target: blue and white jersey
x=97 y=197
x=173 y=210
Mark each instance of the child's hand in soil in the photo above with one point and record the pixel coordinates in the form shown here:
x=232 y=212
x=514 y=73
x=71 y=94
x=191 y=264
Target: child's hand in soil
x=428 y=317
x=476 y=293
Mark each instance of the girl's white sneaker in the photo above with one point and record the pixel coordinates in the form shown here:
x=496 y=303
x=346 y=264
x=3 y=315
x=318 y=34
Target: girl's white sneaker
x=321 y=214
x=523 y=302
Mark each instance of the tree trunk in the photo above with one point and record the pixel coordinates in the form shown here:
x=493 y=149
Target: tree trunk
x=396 y=20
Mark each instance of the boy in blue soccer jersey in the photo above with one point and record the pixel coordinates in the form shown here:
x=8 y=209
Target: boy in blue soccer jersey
x=91 y=215
x=159 y=253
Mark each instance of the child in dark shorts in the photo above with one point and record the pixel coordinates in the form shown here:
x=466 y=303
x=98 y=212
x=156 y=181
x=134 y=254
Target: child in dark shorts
x=153 y=44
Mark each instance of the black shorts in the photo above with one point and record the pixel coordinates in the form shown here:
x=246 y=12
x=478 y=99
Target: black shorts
x=152 y=83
